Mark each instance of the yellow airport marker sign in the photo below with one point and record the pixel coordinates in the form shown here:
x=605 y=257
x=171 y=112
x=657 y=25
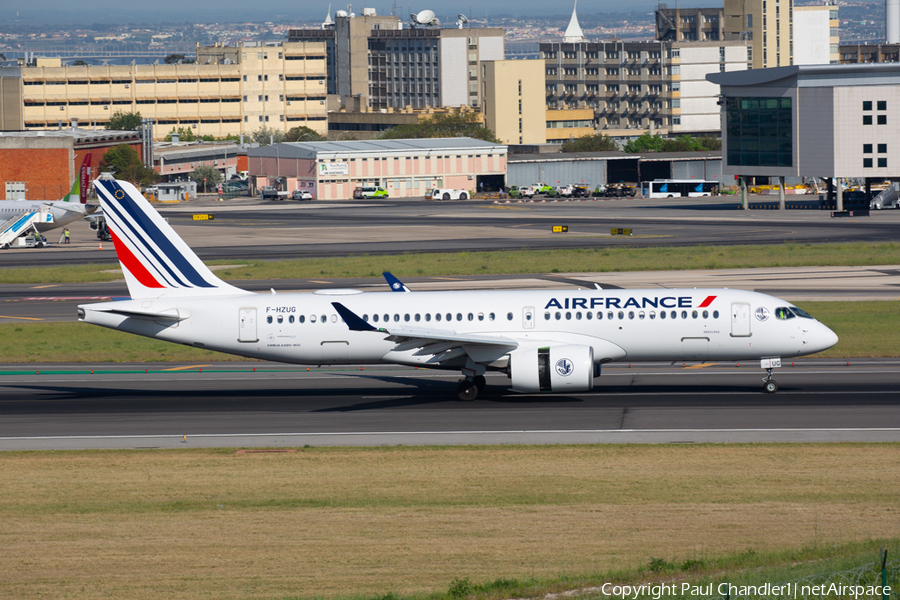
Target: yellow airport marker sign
x=204 y=217
x=560 y=229
x=619 y=231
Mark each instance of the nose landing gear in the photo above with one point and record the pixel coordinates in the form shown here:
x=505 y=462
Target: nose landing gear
x=769 y=385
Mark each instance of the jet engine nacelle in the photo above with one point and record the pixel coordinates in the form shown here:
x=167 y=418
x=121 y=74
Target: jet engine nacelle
x=568 y=368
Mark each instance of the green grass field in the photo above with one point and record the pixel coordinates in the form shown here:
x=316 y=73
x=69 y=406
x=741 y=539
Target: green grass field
x=454 y=521
x=512 y=262
x=860 y=326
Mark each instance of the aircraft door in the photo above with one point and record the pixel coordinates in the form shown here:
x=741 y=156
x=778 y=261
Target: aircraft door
x=740 y=320
x=528 y=317
x=247 y=326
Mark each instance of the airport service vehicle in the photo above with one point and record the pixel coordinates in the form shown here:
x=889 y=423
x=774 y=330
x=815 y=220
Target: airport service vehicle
x=448 y=194
x=581 y=190
x=369 y=191
x=267 y=191
x=301 y=195
x=541 y=188
x=544 y=340
x=521 y=192
x=679 y=188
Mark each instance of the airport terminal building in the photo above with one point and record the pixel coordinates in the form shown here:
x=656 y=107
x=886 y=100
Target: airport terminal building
x=405 y=168
x=811 y=121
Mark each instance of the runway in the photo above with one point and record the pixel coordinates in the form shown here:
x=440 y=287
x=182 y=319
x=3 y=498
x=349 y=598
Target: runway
x=249 y=228
x=230 y=404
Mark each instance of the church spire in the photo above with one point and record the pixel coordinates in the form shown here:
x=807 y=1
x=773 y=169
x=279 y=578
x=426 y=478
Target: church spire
x=573 y=31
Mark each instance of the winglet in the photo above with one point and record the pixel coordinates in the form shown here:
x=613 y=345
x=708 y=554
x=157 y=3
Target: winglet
x=396 y=284
x=353 y=321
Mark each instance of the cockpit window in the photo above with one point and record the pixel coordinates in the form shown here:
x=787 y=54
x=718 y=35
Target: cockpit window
x=800 y=313
x=783 y=313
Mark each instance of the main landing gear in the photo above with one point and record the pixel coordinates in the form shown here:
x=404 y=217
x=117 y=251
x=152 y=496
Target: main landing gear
x=468 y=388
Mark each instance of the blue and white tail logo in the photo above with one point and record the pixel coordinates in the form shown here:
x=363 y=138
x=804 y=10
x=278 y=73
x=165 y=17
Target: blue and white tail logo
x=156 y=261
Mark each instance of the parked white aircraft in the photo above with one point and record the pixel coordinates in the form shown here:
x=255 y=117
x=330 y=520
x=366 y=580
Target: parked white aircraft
x=64 y=211
x=546 y=341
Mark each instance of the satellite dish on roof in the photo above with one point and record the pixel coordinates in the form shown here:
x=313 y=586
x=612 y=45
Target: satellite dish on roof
x=461 y=20
x=425 y=17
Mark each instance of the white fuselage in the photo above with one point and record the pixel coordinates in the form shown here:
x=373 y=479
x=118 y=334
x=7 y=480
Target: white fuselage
x=654 y=324
x=63 y=212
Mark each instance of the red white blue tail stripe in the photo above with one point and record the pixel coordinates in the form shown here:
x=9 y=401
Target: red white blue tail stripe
x=155 y=259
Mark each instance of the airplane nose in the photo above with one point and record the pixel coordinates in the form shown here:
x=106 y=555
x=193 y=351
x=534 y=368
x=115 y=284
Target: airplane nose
x=825 y=338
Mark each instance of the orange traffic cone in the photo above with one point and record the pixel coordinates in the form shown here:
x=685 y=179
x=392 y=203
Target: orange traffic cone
x=101 y=245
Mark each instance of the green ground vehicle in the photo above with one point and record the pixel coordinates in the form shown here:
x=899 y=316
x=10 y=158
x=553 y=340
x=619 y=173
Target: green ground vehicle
x=542 y=188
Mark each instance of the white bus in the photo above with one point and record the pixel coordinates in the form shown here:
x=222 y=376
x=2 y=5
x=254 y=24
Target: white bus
x=678 y=188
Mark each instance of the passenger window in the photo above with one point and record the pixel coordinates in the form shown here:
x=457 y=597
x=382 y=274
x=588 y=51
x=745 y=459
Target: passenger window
x=684 y=314
x=558 y=316
x=334 y=318
x=588 y=316
x=621 y=315
x=324 y=318
x=652 y=314
x=631 y=314
x=715 y=314
x=418 y=317
x=406 y=317
x=387 y=318
x=312 y=318
x=365 y=318
x=449 y=317
x=301 y=318
x=568 y=316
x=546 y=316
x=491 y=316
x=459 y=316
x=291 y=319
x=609 y=315
x=437 y=317
x=641 y=315
x=481 y=316
x=509 y=316
x=705 y=314
x=673 y=314
x=694 y=314
x=578 y=316
x=396 y=318
x=269 y=319
x=428 y=317
x=375 y=318
x=662 y=314
x=471 y=317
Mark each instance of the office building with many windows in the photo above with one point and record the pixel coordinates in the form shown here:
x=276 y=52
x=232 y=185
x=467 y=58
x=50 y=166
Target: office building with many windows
x=229 y=90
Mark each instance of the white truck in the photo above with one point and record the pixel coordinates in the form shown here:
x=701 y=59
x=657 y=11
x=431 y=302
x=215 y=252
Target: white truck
x=448 y=194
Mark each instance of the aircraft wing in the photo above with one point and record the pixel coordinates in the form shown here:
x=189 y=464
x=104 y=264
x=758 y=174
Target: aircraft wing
x=441 y=344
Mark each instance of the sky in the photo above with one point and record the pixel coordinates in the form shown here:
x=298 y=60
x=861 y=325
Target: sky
x=140 y=11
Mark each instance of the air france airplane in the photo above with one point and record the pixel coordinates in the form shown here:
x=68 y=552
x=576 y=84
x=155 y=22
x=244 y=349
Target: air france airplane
x=70 y=208
x=545 y=341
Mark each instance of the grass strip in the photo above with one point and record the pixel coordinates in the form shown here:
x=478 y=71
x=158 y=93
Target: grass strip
x=860 y=326
x=433 y=522
x=588 y=260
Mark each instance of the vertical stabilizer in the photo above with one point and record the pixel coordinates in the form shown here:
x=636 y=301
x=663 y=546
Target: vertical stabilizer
x=157 y=263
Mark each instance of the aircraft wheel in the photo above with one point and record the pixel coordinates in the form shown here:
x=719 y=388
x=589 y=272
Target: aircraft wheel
x=480 y=382
x=467 y=391
x=770 y=386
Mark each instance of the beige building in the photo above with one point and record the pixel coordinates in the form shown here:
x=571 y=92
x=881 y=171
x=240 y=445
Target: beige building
x=513 y=107
x=768 y=26
x=230 y=90
x=391 y=64
x=566 y=124
x=634 y=87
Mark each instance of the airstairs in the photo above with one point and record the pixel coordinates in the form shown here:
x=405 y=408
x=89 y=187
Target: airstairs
x=21 y=225
x=887 y=198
